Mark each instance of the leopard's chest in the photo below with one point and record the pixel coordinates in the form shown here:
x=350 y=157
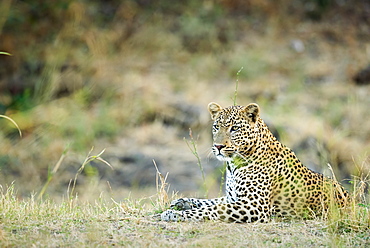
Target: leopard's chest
x=246 y=180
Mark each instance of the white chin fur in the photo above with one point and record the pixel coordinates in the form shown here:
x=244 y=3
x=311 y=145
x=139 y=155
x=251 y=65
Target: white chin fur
x=223 y=158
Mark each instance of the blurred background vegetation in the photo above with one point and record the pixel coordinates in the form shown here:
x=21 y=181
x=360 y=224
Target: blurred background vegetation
x=134 y=76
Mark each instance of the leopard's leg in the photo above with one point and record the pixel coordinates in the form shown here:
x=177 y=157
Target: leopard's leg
x=244 y=210
x=190 y=203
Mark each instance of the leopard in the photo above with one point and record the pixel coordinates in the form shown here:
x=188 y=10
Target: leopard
x=264 y=178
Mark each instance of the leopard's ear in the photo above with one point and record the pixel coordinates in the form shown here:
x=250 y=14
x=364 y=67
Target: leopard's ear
x=252 y=111
x=214 y=109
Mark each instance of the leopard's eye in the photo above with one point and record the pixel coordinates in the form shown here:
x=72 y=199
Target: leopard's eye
x=215 y=128
x=234 y=128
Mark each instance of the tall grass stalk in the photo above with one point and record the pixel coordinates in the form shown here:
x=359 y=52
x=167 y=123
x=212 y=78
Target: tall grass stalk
x=222 y=183
x=89 y=158
x=6 y=117
x=237 y=84
x=5 y=53
x=14 y=123
x=192 y=144
x=51 y=174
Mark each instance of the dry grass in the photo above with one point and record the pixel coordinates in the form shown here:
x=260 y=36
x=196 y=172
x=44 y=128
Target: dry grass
x=133 y=223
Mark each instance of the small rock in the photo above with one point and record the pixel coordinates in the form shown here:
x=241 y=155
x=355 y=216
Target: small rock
x=297 y=45
x=363 y=76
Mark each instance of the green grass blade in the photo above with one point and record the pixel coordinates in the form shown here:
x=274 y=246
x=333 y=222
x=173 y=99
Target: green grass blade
x=12 y=121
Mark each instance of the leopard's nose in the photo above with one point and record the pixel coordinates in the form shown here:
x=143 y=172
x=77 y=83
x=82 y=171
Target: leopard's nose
x=219 y=147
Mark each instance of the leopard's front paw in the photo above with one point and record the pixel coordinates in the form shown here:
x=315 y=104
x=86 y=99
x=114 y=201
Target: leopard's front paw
x=182 y=204
x=172 y=215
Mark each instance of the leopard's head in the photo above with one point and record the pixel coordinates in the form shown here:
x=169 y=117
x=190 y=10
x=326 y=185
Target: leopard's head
x=235 y=130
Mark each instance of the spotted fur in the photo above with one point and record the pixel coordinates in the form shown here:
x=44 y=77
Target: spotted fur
x=264 y=178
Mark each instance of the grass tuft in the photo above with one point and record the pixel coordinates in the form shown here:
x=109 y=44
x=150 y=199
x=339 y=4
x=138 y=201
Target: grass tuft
x=162 y=191
x=355 y=217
